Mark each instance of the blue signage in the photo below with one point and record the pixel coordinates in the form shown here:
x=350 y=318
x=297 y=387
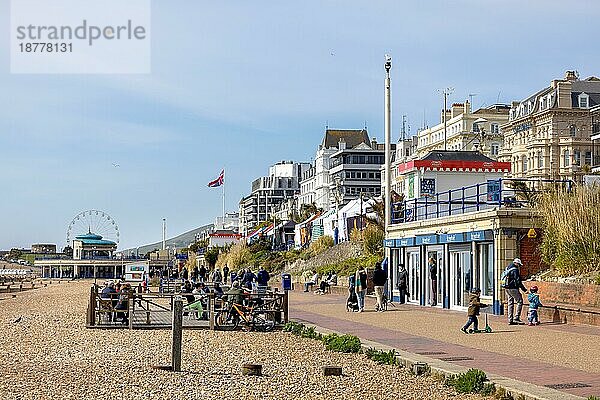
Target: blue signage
x=181 y=256
x=478 y=236
x=452 y=238
x=405 y=242
x=427 y=239
x=388 y=242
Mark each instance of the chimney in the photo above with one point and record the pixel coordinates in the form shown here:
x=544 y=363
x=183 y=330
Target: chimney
x=374 y=143
x=571 y=76
x=457 y=109
x=342 y=144
x=448 y=116
x=563 y=94
x=467 y=108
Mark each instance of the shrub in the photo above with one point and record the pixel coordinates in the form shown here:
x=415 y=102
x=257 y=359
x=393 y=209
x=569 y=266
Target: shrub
x=373 y=240
x=342 y=344
x=382 y=357
x=293 y=327
x=320 y=245
x=593 y=398
x=571 y=225
x=472 y=381
x=310 y=333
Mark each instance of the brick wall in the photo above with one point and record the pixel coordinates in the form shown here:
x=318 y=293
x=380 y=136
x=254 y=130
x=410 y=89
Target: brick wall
x=531 y=257
x=577 y=295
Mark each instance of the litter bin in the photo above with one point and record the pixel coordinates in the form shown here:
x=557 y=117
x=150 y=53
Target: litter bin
x=286 y=281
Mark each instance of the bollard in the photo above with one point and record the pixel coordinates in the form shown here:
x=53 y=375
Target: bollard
x=211 y=311
x=420 y=368
x=252 y=369
x=147 y=317
x=332 y=371
x=176 y=335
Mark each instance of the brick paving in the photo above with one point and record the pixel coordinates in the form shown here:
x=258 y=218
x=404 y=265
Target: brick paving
x=329 y=312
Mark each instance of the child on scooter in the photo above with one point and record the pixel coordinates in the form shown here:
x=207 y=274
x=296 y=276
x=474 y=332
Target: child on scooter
x=534 y=304
x=474 y=305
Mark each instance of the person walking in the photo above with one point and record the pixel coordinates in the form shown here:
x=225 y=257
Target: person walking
x=379 y=279
x=474 y=305
x=225 y=273
x=433 y=276
x=511 y=282
x=361 y=287
x=402 y=283
x=216 y=276
x=262 y=279
x=534 y=304
x=202 y=273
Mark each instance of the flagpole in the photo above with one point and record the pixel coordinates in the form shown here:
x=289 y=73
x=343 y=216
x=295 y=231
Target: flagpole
x=223 y=221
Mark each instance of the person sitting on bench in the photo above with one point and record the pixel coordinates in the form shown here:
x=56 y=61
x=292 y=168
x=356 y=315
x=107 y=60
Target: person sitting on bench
x=326 y=283
x=313 y=281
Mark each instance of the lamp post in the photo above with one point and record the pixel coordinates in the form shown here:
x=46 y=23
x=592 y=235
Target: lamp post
x=388 y=141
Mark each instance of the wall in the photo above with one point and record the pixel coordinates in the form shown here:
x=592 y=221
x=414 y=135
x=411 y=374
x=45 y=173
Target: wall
x=575 y=294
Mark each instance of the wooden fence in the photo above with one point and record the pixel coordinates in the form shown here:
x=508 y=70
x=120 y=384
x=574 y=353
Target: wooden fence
x=155 y=310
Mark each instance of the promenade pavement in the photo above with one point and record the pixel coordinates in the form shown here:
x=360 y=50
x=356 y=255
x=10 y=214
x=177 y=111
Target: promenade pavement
x=563 y=357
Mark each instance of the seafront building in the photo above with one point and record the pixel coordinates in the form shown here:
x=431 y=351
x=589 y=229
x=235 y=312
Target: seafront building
x=466 y=130
x=268 y=192
x=549 y=133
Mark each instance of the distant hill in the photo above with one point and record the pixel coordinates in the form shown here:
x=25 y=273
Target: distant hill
x=183 y=240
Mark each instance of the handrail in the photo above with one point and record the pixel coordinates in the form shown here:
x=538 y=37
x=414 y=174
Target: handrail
x=502 y=192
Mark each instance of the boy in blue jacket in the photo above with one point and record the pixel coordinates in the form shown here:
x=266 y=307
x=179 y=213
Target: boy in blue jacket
x=534 y=303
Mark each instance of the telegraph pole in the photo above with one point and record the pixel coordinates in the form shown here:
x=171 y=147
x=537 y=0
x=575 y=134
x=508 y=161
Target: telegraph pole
x=388 y=144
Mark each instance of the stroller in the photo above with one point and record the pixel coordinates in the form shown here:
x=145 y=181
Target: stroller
x=352 y=301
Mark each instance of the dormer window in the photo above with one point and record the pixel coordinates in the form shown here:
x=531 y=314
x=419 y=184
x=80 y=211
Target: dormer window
x=584 y=100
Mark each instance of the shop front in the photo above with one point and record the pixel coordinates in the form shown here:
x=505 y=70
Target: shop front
x=443 y=268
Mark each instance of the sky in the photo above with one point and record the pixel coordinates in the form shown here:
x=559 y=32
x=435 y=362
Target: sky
x=241 y=85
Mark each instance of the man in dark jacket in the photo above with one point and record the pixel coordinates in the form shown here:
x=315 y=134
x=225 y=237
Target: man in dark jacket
x=402 y=283
x=513 y=286
x=379 y=278
x=432 y=264
x=202 y=273
x=225 y=273
x=262 y=278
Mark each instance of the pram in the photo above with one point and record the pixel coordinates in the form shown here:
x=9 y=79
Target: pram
x=352 y=301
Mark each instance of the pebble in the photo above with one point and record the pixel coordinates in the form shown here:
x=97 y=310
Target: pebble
x=50 y=354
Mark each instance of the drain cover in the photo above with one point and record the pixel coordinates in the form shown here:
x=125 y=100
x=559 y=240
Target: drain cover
x=431 y=353
x=574 y=385
x=458 y=358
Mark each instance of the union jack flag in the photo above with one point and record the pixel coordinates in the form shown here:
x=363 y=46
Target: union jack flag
x=219 y=181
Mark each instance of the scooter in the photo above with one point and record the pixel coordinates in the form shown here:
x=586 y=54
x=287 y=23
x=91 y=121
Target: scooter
x=487 y=329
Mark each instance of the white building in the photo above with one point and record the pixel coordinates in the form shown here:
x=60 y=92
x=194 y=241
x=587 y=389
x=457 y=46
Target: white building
x=315 y=187
x=268 y=192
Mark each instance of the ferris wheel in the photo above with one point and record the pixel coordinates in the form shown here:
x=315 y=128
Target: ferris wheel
x=93 y=221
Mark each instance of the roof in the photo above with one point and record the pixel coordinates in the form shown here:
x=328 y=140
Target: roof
x=453 y=155
x=352 y=137
x=444 y=160
x=92 y=238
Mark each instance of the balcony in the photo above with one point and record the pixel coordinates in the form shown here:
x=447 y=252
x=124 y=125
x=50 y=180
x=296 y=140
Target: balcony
x=500 y=193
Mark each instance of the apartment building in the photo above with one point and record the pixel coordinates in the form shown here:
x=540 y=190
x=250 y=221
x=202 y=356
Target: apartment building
x=549 y=133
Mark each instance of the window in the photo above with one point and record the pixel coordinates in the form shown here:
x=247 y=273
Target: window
x=495 y=149
x=566 y=159
x=572 y=130
x=494 y=128
x=524 y=163
x=540 y=159
x=584 y=100
x=576 y=157
x=588 y=158
x=475 y=127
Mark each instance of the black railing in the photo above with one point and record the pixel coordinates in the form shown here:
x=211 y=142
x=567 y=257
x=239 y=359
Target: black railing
x=493 y=193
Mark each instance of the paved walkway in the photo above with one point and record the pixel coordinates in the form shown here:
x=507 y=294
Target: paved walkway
x=564 y=357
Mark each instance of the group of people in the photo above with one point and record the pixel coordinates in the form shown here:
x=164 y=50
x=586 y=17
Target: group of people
x=118 y=293
x=513 y=285
x=329 y=280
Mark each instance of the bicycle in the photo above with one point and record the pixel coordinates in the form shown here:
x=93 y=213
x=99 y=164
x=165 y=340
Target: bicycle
x=254 y=318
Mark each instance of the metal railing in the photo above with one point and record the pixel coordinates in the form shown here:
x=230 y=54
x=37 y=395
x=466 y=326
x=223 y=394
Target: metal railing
x=498 y=193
